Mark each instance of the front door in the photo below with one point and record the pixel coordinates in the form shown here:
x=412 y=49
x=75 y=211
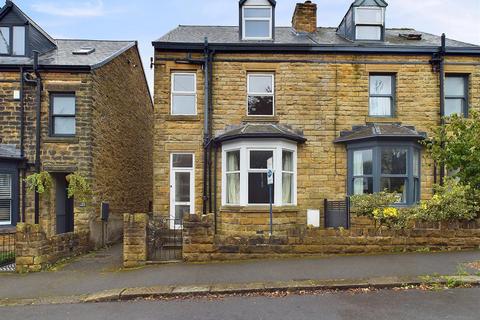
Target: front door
x=181 y=188
x=63 y=205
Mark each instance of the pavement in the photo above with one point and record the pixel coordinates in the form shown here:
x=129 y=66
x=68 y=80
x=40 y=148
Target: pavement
x=456 y=304
x=100 y=277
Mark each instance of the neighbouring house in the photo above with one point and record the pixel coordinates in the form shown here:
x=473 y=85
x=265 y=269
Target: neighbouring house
x=334 y=112
x=71 y=106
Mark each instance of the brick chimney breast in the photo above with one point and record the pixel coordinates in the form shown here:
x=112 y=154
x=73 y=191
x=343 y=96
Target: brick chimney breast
x=305 y=17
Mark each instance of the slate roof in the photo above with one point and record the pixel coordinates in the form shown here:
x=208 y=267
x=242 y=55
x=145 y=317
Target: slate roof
x=104 y=52
x=191 y=34
x=260 y=130
x=9 y=152
x=379 y=131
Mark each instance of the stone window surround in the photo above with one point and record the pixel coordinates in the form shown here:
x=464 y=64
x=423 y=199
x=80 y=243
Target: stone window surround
x=376 y=146
x=393 y=95
x=270 y=20
x=52 y=135
x=245 y=145
x=172 y=92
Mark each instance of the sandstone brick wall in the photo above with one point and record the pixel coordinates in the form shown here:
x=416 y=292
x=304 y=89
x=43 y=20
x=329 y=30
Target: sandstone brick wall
x=121 y=155
x=201 y=244
x=323 y=96
x=35 y=250
x=135 y=239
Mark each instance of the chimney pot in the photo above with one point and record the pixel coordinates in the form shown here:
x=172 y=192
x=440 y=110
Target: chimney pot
x=305 y=17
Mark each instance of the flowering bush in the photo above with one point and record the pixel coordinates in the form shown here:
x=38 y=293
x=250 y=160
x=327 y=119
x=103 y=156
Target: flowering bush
x=451 y=202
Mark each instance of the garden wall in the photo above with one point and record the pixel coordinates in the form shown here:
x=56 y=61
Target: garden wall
x=34 y=251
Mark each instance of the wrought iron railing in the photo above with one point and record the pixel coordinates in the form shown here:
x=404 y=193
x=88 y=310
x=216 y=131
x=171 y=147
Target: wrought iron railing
x=7 y=248
x=164 y=239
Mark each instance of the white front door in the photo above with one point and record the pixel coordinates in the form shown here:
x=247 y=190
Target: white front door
x=182 y=198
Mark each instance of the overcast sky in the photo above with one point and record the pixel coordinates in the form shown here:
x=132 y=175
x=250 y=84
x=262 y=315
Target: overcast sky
x=147 y=20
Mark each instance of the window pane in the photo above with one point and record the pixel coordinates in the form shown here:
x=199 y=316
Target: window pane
x=4 y=40
x=182 y=161
x=260 y=84
x=287 y=188
x=369 y=33
x=260 y=106
x=233 y=188
x=287 y=161
x=63 y=105
x=257 y=12
x=258 y=188
x=362 y=162
x=394 y=161
x=233 y=160
x=362 y=186
x=455 y=86
x=5 y=210
x=416 y=190
x=19 y=41
x=5 y=197
x=182 y=187
x=183 y=104
x=380 y=106
x=257 y=29
x=453 y=106
x=380 y=84
x=181 y=212
x=64 y=125
x=184 y=82
x=258 y=159
x=416 y=163
x=369 y=16
x=397 y=186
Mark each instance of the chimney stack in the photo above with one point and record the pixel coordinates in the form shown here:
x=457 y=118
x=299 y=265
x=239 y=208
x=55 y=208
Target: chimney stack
x=305 y=17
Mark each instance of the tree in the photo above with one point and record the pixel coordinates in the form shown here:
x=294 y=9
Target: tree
x=456 y=144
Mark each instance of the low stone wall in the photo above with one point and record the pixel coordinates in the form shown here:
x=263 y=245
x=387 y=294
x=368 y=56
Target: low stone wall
x=200 y=243
x=135 y=239
x=35 y=251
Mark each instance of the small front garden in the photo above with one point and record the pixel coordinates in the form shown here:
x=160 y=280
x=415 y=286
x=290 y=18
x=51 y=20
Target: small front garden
x=454 y=146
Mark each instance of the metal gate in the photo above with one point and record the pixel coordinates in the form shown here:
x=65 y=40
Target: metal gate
x=337 y=214
x=7 y=250
x=164 y=239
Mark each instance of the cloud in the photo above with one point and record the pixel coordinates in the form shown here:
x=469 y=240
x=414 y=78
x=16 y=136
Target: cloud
x=94 y=8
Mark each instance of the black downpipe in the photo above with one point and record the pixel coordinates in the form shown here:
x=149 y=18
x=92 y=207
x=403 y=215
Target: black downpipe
x=38 y=104
x=215 y=213
x=206 y=126
x=443 y=50
x=22 y=144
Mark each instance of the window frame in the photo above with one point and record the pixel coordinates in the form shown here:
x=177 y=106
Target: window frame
x=377 y=147
x=10 y=40
x=239 y=172
x=466 y=93
x=364 y=176
x=183 y=93
x=247 y=145
x=261 y=94
x=191 y=171
x=52 y=116
x=10 y=168
x=392 y=95
x=382 y=25
x=270 y=23
x=258 y=170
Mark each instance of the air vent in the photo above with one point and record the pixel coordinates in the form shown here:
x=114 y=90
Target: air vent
x=84 y=51
x=411 y=36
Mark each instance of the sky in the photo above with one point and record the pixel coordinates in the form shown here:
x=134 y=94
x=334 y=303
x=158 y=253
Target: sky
x=147 y=20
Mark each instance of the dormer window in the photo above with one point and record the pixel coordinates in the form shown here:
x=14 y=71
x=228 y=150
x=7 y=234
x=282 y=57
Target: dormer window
x=369 y=22
x=257 y=19
x=364 y=21
x=12 y=40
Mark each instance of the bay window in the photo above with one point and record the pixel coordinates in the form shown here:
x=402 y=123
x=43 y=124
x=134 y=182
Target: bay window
x=393 y=167
x=244 y=168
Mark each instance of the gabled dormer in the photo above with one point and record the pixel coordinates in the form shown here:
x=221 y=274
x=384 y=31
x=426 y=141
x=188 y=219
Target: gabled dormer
x=257 y=19
x=20 y=35
x=364 y=21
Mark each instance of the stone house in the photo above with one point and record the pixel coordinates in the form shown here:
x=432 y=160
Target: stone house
x=71 y=106
x=332 y=111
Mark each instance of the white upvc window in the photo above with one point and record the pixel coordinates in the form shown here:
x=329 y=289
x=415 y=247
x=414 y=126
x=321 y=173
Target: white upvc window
x=260 y=94
x=182 y=187
x=257 y=22
x=184 y=93
x=244 y=167
x=369 y=23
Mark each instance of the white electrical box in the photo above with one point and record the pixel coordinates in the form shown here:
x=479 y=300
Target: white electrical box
x=16 y=94
x=313 y=218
